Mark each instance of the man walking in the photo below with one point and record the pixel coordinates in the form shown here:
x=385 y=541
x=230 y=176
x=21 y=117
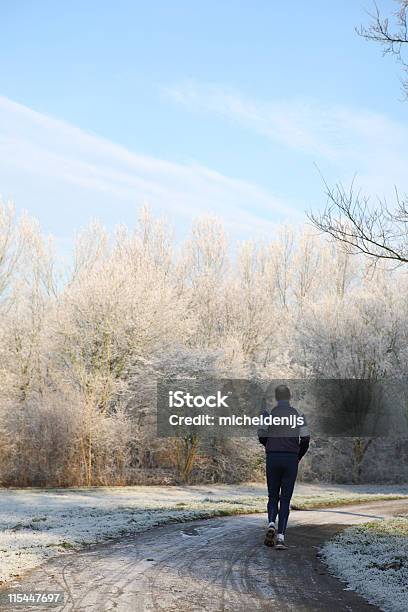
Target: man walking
x=286 y=440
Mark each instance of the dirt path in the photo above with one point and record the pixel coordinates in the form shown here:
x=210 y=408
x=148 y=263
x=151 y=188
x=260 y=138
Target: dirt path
x=216 y=565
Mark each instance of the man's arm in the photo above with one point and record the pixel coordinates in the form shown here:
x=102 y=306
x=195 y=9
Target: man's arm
x=303 y=446
x=263 y=431
x=304 y=441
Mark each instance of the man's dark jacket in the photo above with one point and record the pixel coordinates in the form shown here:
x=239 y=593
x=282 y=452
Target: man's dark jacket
x=282 y=438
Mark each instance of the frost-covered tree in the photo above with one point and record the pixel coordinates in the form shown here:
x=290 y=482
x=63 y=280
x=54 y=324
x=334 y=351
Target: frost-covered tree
x=82 y=348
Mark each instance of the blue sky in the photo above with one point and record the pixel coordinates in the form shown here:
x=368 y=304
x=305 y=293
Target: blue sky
x=222 y=107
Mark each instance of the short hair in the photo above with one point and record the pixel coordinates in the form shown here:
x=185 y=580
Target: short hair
x=282 y=392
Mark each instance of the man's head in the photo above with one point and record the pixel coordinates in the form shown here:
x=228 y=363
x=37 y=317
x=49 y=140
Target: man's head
x=282 y=392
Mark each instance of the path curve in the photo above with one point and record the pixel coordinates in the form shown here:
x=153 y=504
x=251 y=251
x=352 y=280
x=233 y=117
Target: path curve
x=214 y=565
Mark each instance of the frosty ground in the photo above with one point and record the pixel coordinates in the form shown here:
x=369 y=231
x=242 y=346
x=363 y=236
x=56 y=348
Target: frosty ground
x=39 y=524
x=373 y=560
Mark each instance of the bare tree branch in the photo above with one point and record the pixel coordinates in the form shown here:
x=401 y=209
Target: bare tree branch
x=393 y=37
x=374 y=231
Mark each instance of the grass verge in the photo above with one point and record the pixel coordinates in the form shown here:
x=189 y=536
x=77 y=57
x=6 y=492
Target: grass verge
x=331 y=500
x=373 y=560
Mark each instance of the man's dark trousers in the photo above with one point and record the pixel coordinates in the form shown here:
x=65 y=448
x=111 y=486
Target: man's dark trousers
x=281 y=472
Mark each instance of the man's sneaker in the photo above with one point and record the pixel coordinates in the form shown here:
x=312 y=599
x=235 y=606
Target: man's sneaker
x=270 y=535
x=280 y=543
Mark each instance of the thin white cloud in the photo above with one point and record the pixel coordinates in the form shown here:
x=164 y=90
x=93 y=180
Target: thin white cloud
x=349 y=140
x=54 y=157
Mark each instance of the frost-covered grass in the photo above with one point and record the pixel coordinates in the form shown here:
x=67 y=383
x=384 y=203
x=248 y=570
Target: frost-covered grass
x=336 y=499
x=38 y=524
x=373 y=559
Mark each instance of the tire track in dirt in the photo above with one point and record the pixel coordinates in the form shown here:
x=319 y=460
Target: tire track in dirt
x=217 y=565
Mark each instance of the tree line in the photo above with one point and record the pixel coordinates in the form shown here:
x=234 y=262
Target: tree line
x=83 y=344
